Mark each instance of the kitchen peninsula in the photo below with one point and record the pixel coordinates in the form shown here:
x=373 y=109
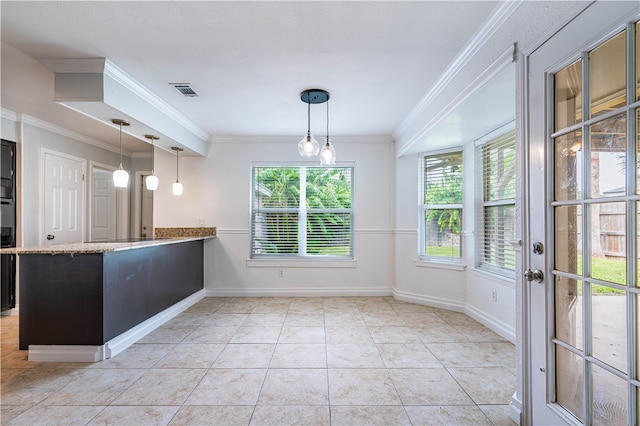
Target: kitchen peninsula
x=90 y=301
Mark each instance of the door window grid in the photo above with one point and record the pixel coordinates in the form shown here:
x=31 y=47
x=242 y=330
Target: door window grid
x=589 y=144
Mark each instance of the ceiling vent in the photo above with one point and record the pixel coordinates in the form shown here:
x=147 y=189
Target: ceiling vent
x=185 y=89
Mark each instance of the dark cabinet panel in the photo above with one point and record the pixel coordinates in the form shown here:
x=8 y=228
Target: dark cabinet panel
x=8 y=295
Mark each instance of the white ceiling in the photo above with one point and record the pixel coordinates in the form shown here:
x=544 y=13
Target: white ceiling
x=248 y=61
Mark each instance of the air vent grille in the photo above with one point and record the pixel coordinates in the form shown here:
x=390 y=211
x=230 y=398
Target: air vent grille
x=185 y=89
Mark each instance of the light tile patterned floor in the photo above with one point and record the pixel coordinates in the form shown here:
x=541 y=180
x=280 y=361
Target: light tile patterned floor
x=262 y=361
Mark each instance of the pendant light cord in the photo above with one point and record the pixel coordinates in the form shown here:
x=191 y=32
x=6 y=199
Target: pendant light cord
x=177 y=166
x=121 y=144
x=308 y=115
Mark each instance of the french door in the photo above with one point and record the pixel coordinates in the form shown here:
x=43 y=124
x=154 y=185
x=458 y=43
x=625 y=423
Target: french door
x=582 y=203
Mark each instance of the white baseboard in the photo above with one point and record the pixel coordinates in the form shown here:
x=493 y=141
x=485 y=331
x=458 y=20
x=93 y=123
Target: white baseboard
x=515 y=409
x=436 y=302
x=91 y=353
x=299 y=292
x=494 y=324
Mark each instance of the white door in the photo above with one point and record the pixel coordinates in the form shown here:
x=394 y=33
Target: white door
x=582 y=206
x=103 y=205
x=63 y=204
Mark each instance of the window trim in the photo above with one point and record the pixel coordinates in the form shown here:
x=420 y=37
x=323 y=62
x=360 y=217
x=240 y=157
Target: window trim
x=423 y=259
x=269 y=260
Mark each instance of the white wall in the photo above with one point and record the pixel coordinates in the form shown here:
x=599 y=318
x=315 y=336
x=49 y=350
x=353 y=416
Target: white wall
x=217 y=193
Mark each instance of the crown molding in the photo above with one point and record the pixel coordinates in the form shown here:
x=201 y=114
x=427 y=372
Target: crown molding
x=76 y=66
x=45 y=125
x=9 y=115
x=499 y=16
x=218 y=140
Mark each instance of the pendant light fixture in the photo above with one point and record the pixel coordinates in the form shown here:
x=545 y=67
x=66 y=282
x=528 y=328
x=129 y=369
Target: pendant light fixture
x=327 y=153
x=120 y=176
x=308 y=146
x=151 y=181
x=177 y=186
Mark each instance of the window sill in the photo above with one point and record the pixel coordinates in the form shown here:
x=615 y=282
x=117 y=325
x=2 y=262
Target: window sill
x=440 y=265
x=301 y=263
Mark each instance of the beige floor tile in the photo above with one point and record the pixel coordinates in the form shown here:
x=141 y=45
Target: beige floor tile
x=440 y=333
x=474 y=354
x=457 y=318
x=426 y=319
x=229 y=415
x=479 y=333
x=486 y=385
x=211 y=334
x=36 y=384
x=307 y=306
x=245 y=356
x=447 y=415
x=299 y=355
x=137 y=356
x=190 y=319
x=383 y=319
x=344 y=320
x=304 y=320
x=135 y=415
x=263 y=320
x=276 y=306
x=168 y=334
x=339 y=334
x=375 y=415
x=407 y=355
x=10 y=412
x=191 y=355
x=237 y=307
x=291 y=415
x=235 y=386
x=428 y=386
x=385 y=334
x=400 y=306
x=161 y=387
x=17 y=359
x=226 y=319
x=256 y=335
x=376 y=307
x=361 y=387
x=57 y=415
x=95 y=386
x=498 y=414
x=302 y=335
x=355 y=355
x=295 y=387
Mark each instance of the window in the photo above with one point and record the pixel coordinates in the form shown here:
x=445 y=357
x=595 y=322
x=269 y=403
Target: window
x=496 y=167
x=301 y=211
x=441 y=206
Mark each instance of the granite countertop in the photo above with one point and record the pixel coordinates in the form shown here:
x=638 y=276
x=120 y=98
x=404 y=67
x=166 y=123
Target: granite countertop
x=163 y=236
x=96 y=247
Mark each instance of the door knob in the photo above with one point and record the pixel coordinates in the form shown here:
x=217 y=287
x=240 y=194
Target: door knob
x=50 y=237
x=535 y=275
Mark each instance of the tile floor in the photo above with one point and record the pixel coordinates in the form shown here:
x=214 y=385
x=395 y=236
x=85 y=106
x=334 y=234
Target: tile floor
x=332 y=360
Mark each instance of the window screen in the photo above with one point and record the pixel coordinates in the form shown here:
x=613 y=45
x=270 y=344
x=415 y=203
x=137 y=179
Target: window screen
x=302 y=211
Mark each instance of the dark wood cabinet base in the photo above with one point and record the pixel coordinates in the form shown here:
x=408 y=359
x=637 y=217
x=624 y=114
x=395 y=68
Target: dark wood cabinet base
x=90 y=298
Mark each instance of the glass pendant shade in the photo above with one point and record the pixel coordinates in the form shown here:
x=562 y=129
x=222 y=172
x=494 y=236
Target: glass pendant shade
x=308 y=146
x=120 y=178
x=151 y=182
x=327 y=154
x=177 y=188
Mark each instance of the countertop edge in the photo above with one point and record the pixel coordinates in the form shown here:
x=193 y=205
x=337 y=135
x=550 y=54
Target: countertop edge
x=97 y=247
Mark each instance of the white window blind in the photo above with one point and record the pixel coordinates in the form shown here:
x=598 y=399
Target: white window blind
x=496 y=164
x=441 y=206
x=301 y=211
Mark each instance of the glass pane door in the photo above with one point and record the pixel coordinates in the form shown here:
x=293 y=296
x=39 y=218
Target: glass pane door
x=595 y=231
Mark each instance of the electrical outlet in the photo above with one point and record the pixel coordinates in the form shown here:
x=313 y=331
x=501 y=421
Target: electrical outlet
x=494 y=295
x=281 y=273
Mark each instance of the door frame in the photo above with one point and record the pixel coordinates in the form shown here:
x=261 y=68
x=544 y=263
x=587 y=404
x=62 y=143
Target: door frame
x=82 y=202
x=137 y=202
